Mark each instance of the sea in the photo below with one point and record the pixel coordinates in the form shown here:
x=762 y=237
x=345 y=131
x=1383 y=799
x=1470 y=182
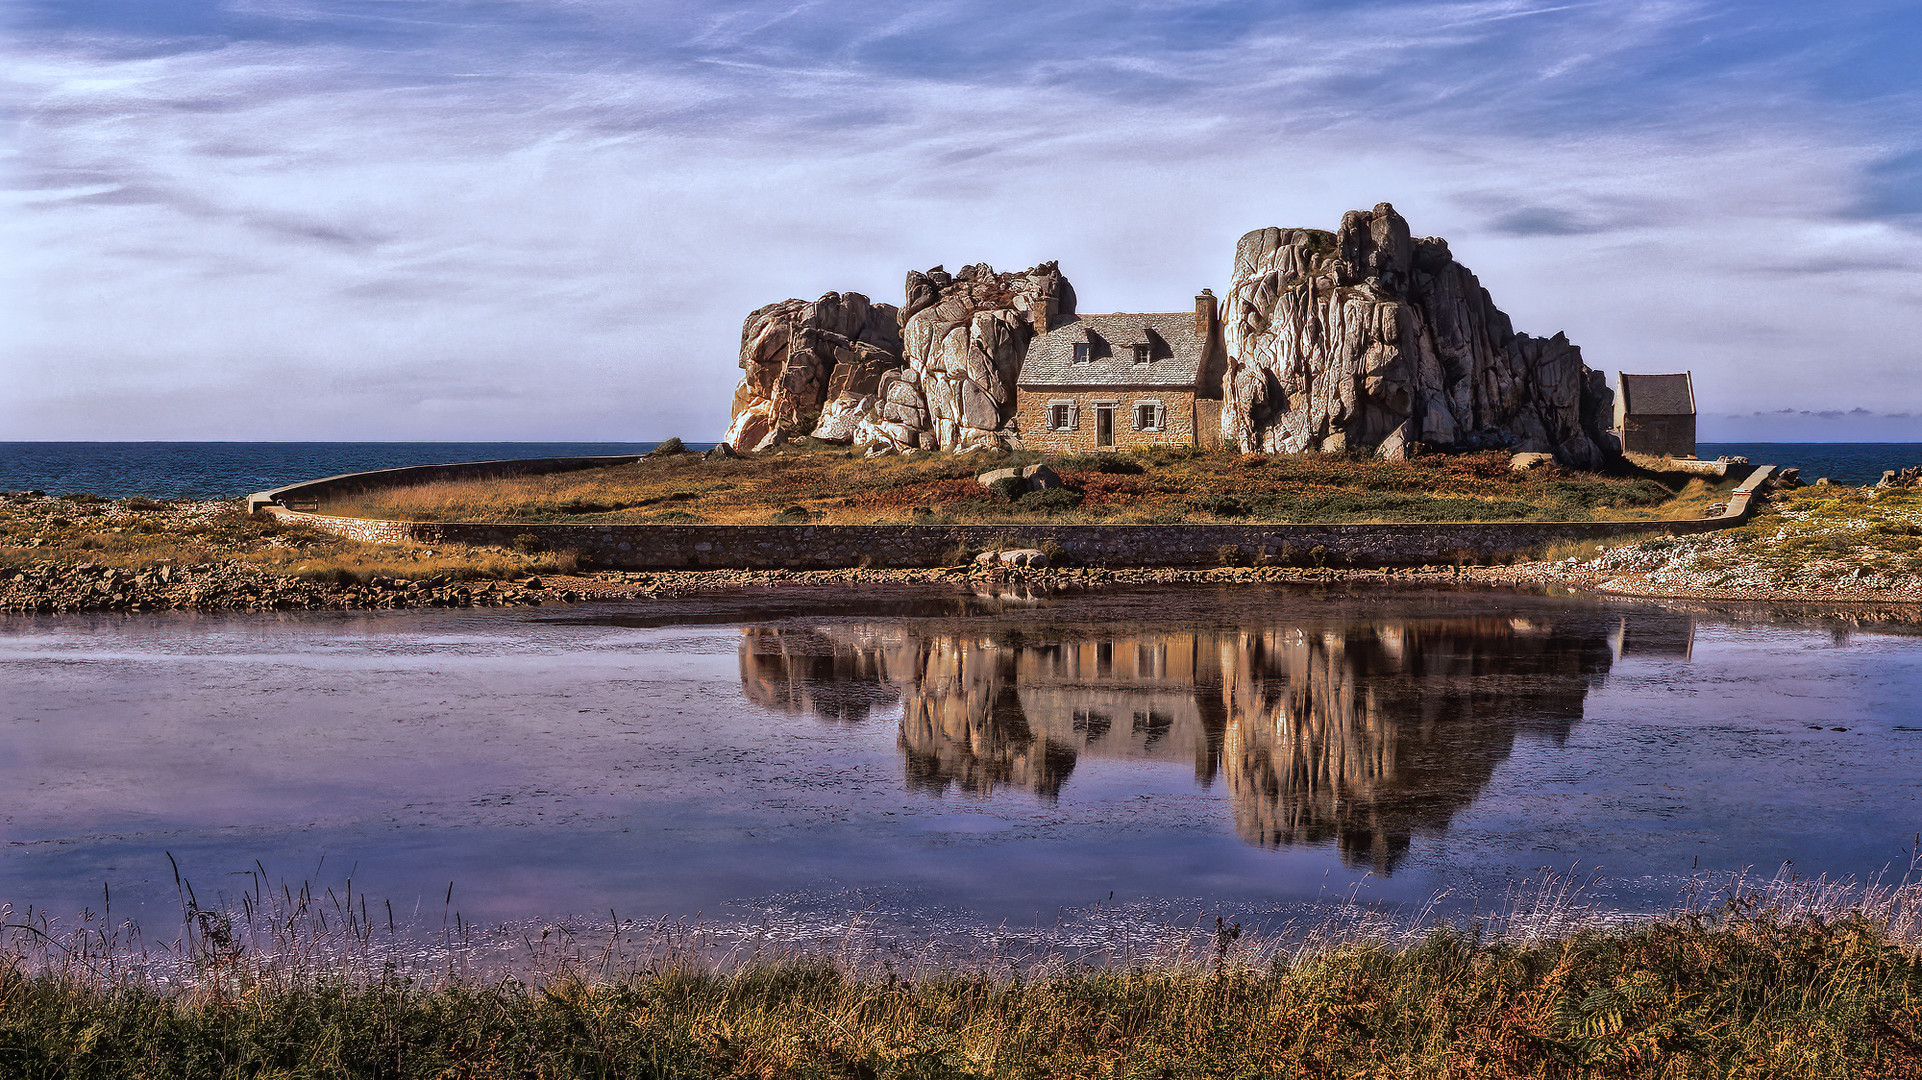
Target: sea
x=1841 y=462
x=224 y=470
x=227 y=470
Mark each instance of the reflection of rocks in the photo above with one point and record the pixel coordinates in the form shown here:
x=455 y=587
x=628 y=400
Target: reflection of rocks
x=802 y=671
x=1363 y=734
x=1372 y=735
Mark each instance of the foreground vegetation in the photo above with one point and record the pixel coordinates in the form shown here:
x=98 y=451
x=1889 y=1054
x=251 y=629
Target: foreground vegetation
x=1824 y=540
x=1732 y=994
x=82 y=552
x=806 y=482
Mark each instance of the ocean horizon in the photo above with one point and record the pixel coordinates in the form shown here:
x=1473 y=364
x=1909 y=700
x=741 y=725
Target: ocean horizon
x=229 y=469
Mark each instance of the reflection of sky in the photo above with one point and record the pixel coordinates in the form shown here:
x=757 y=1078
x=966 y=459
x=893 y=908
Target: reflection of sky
x=563 y=763
x=429 y=219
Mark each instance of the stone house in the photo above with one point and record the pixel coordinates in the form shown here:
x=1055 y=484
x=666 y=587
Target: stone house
x=1655 y=414
x=1122 y=380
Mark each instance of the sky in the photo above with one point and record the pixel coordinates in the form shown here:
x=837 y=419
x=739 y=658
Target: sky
x=546 y=219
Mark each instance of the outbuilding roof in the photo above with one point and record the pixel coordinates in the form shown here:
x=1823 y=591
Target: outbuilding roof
x=1174 y=354
x=1658 y=395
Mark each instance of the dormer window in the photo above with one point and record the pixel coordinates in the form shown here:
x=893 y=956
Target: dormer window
x=1080 y=352
x=1141 y=352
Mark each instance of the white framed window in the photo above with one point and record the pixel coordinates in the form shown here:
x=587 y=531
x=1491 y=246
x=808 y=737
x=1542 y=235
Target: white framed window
x=1150 y=416
x=1062 y=415
x=1080 y=352
x=1141 y=352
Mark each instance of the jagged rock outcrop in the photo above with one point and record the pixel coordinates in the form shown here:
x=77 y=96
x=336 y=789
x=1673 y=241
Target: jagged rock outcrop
x=1369 y=338
x=963 y=337
x=812 y=368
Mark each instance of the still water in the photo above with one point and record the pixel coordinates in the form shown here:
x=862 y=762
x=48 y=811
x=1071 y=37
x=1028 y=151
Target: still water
x=939 y=758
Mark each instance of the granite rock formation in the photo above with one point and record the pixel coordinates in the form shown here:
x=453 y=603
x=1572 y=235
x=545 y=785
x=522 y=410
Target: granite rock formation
x=964 y=337
x=1371 y=339
x=812 y=368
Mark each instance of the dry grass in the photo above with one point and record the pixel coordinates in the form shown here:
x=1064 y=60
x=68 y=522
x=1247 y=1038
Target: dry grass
x=1772 y=979
x=1813 y=538
x=801 y=483
x=136 y=534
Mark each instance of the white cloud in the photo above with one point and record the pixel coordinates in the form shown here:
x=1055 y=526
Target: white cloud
x=417 y=225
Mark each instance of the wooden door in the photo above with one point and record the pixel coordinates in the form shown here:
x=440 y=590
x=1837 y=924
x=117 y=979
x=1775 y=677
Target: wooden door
x=1104 y=425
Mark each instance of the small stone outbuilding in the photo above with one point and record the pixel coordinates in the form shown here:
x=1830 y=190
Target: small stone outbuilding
x=1122 y=380
x=1655 y=414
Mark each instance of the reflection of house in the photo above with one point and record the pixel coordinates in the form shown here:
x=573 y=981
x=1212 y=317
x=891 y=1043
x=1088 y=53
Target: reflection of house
x=1104 y=381
x=1655 y=633
x=1655 y=414
x=1363 y=735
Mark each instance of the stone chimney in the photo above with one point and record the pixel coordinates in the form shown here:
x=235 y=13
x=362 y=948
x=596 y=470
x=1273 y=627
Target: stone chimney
x=1042 y=310
x=1205 y=313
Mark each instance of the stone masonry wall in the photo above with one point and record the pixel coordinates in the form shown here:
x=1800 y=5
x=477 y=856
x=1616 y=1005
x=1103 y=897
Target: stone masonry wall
x=822 y=547
x=1031 y=414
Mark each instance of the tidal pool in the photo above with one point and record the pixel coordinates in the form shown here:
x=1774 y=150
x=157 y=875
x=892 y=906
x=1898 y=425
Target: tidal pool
x=937 y=758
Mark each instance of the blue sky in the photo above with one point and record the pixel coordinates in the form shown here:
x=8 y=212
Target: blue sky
x=545 y=219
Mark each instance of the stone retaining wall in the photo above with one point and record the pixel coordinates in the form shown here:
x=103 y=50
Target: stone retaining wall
x=822 y=547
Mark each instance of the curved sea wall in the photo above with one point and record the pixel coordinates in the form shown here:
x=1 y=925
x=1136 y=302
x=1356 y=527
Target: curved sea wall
x=312 y=492
x=827 y=547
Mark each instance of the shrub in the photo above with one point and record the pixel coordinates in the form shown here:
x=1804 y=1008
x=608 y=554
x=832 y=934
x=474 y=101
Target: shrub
x=669 y=447
x=1009 y=487
x=961 y=555
x=528 y=544
x=83 y=498
x=1057 y=555
x=1222 y=506
x=1231 y=555
x=1112 y=464
x=794 y=515
x=140 y=502
x=1051 y=500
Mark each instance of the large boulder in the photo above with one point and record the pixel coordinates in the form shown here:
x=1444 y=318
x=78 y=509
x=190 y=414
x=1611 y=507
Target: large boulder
x=1371 y=339
x=963 y=338
x=812 y=368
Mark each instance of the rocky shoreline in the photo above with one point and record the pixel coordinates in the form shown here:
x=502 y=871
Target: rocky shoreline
x=51 y=588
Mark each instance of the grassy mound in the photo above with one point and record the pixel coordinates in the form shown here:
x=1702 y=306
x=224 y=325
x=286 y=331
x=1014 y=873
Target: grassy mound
x=138 y=534
x=816 y=483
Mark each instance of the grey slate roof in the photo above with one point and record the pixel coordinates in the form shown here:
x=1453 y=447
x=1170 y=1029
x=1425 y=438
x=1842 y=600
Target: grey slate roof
x=1657 y=395
x=1175 y=351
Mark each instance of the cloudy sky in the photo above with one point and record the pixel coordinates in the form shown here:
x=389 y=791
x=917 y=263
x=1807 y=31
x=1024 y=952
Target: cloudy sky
x=545 y=219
